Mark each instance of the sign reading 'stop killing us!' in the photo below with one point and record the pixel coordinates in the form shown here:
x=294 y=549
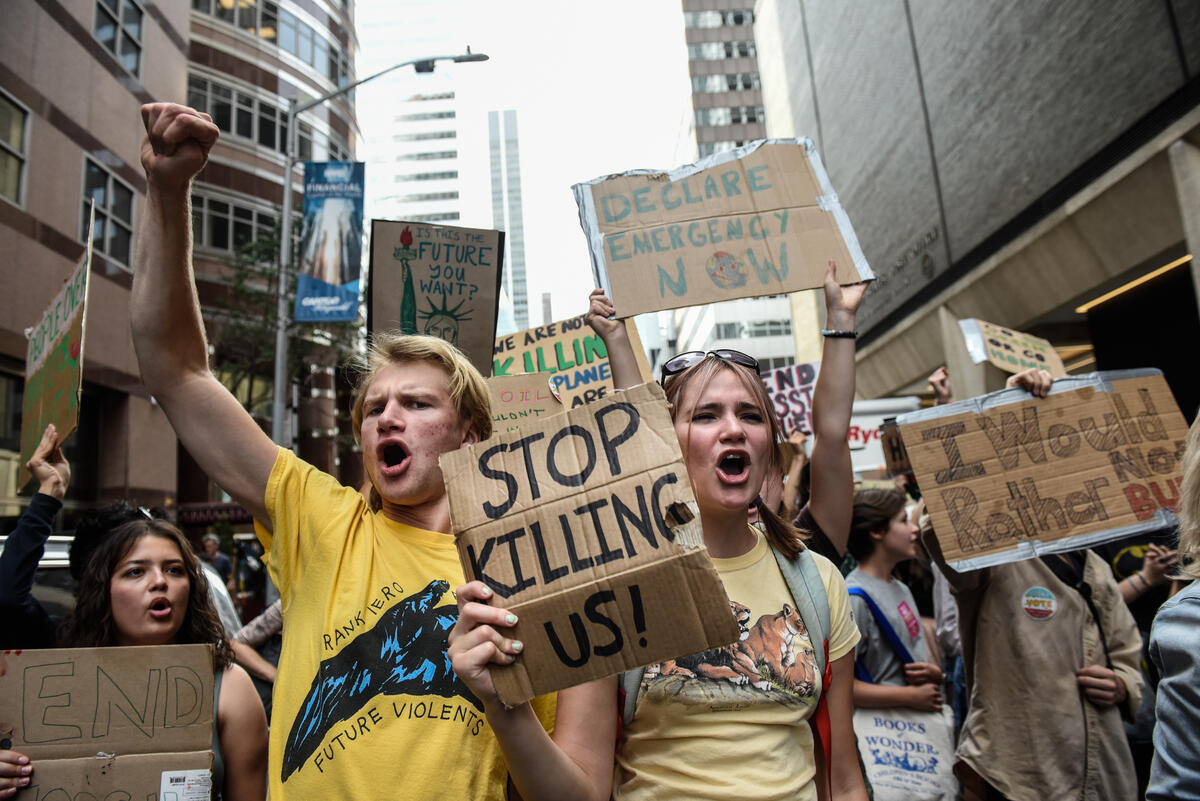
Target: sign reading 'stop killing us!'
x=758 y=220
x=1008 y=476
x=585 y=527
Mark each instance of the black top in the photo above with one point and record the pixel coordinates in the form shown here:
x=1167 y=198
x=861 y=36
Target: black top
x=26 y=623
x=817 y=540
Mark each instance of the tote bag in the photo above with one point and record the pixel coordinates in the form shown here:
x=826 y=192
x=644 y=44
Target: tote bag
x=908 y=754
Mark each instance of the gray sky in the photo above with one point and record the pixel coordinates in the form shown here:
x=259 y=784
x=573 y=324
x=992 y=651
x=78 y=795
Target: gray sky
x=598 y=88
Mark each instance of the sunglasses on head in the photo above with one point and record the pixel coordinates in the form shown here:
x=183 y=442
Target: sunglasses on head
x=677 y=364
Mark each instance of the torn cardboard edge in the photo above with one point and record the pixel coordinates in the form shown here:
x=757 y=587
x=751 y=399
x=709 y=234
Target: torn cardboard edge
x=1100 y=381
x=827 y=201
x=706 y=619
x=1029 y=549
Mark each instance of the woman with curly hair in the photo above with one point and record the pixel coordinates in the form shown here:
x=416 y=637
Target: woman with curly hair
x=144 y=586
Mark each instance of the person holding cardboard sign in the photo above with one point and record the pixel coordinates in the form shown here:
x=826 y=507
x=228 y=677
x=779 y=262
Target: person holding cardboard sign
x=144 y=586
x=700 y=726
x=366 y=701
x=1052 y=659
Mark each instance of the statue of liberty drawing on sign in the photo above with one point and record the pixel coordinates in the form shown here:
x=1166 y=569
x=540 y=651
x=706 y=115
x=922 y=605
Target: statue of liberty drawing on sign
x=443 y=321
x=408 y=300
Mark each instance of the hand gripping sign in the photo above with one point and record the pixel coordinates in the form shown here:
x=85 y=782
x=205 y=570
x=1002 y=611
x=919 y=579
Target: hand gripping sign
x=584 y=525
x=1007 y=476
x=758 y=220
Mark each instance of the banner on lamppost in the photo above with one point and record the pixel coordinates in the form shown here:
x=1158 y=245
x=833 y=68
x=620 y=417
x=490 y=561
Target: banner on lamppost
x=330 y=242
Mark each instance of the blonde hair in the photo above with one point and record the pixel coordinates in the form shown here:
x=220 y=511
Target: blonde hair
x=1189 y=506
x=465 y=384
x=778 y=531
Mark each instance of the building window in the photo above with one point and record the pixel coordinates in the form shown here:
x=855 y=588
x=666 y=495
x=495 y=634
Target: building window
x=435 y=96
x=718 y=19
x=227 y=225
x=248 y=117
x=778 y=361
x=420 y=137
x=113 y=231
x=734 y=82
x=265 y=20
x=729 y=116
x=769 y=328
x=427 y=176
x=708 y=148
x=430 y=196
x=428 y=115
x=727 y=330
x=14 y=122
x=716 y=51
x=440 y=154
x=443 y=217
x=119 y=28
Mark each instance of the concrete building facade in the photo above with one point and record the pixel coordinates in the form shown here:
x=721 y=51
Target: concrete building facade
x=73 y=74
x=1008 y=161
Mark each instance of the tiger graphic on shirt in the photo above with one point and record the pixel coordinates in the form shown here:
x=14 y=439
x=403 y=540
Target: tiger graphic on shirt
x=773 y=656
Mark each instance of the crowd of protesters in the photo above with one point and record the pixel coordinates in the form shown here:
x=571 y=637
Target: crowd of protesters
x=373 y=664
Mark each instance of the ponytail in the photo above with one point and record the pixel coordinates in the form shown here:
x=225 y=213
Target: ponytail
x=780 y=534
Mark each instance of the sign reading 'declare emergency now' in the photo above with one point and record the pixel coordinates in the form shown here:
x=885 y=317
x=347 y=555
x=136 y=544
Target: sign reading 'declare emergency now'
x=1008 y=476
x=757 y=220
x=584 y=525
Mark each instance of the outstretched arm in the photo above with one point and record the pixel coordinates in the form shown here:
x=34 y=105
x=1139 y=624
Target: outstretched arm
x=832 y=499
x=616 y=340
x=168 y=332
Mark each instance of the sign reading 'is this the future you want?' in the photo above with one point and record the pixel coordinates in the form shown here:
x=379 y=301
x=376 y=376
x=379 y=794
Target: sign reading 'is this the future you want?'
x=571 y=352
x=758 y=220
x=438 y=280
x=1008 y=476
x=54 y=363
x=585 y=526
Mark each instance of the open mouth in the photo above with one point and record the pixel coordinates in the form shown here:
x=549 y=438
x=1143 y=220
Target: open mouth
x=160 y=608
x=734 y=467
x=392 y=458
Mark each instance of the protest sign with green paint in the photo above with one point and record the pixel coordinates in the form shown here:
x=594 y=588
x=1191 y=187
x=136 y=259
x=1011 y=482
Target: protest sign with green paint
x=54 y=363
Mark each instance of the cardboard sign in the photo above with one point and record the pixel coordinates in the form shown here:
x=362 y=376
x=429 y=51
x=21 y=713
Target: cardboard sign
x=1011 y=351
x=54 y=362
x=572 y=351
x=894 y=453
x=1008 y=476
x=585 y=527
x=791 y=391
x=110 y=722
x=330 y=242
x=758 y=220
x=437 y=280
x=518 y=400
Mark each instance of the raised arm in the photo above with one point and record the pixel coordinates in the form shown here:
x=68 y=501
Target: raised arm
x=616 y=340
x=168 y=332
x=27 y=624
x=832 y=499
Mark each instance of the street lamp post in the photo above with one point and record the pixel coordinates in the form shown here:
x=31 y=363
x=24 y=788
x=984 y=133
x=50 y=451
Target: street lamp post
x=279 y=431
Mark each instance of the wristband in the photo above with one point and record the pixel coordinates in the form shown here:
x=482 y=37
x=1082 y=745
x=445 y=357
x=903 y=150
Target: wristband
x=834 y=333
x=1142 y=581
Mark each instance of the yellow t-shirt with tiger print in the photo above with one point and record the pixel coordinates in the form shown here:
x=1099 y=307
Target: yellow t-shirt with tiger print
x=733 y=722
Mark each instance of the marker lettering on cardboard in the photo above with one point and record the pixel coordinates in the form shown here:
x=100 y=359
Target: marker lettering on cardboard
x=584 y=525
x=1008 y=476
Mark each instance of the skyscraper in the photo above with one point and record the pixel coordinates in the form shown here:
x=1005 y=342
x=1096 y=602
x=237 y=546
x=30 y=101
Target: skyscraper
x=414 y=157
x=506 y=208
x=722 y=63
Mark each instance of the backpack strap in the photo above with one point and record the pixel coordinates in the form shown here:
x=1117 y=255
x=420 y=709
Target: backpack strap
x=808 y=591
x=630 y=683
x=884 y=626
